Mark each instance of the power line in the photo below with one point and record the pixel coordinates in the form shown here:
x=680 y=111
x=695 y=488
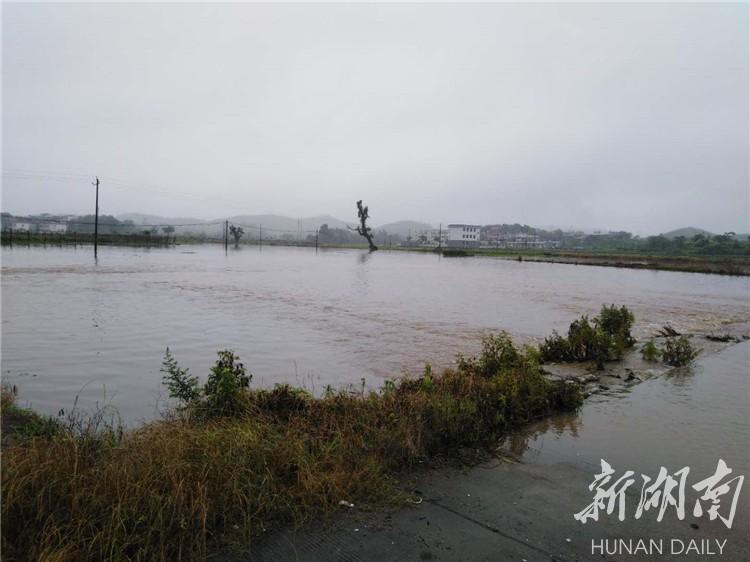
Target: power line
x=119 y=184
x=120 y=225
x=114 y=183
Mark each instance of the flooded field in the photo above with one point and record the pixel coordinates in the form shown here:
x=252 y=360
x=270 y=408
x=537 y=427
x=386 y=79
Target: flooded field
x=98 y=331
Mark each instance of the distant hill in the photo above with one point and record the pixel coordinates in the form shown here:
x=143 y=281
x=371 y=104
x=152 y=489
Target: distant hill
x=687 y=232
x=273 y=225
x=403 y=228
x=289 y=225
x=142 y=218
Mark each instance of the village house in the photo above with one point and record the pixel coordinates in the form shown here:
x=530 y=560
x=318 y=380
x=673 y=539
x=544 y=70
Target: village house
x=463 y=235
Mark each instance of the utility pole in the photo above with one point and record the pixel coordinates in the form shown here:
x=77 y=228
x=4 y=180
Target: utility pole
x=440 y=237
x=317 y=232
x=261 y=235
x=226 y=235
x=96 y=220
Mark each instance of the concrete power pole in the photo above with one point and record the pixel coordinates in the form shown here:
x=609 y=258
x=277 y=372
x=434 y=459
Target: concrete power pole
x=96 y=219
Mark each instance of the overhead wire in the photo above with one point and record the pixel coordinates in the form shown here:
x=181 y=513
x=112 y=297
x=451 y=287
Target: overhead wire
x=119 y=184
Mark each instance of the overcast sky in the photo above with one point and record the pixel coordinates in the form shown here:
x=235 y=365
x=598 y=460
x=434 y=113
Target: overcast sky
x=595 y=116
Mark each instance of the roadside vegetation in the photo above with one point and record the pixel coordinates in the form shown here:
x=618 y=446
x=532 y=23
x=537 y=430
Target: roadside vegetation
x=20 y=424
x=230 y=463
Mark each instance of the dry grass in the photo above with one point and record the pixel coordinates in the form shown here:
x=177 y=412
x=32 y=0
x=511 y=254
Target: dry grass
x=183 y=487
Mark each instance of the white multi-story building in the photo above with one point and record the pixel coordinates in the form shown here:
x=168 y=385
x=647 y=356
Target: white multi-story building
x=20 y=226
x=463 y=235
x=54 y=227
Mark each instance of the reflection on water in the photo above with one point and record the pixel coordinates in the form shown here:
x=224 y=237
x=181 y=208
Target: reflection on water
x=298 y=316
x=520 y=442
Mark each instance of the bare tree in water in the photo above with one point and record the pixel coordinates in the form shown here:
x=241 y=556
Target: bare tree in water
x=236 y=232
x=363 y=229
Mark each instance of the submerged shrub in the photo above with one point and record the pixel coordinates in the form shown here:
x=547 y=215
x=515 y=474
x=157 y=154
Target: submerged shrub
x=678 y=351
x=617 y=322
x=602 y=339
x=555 y=348
x=588 y=342
x=650 y=352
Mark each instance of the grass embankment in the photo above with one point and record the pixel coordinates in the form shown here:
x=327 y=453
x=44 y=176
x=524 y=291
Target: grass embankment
x=724 y=265
x=21 y=423
x=234 y=462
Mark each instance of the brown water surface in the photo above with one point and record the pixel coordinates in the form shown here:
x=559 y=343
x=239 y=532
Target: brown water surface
x=72 y=327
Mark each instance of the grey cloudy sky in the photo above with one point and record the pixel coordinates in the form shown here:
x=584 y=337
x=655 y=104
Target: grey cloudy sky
x=617 y=116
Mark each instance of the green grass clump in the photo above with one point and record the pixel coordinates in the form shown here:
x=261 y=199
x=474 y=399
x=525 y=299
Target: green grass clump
x=21 y=423
x=604 y=338
x=232 y=462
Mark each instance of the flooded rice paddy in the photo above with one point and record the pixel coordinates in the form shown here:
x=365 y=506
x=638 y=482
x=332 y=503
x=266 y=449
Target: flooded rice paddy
x=98 y=331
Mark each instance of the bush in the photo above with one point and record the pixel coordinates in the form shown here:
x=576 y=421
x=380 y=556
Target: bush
x=498 y=353
x=650 y=352
x=555 y=348
x=602 y=339
x=588 y=342
x=228 y=377
x=678 y=351
x=222 y=393
x=617 y=322
x=180 y=384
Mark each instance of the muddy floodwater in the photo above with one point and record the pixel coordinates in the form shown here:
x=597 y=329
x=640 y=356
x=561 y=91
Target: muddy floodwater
x=691 y=417
x=521 y=505
x=72 y=327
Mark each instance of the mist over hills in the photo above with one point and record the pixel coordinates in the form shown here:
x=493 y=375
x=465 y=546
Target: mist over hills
x=403 y=228
x=270 y=223
x=280 y=226
x=687 y=232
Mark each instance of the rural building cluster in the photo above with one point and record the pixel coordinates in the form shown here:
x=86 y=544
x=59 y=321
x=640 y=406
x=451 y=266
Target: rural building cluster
x=43 y=223
x=477 y=236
